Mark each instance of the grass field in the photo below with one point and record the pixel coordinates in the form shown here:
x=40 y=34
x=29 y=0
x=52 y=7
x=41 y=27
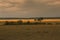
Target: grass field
x=30 y=32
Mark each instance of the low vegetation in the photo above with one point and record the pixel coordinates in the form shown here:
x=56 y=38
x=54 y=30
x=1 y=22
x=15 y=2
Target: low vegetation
x=20 y=22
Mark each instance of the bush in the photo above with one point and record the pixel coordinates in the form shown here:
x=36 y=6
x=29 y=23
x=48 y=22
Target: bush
x=19 y=22
x=6 y=23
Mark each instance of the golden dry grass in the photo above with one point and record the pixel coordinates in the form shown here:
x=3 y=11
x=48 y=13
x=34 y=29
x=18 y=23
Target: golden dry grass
x=30 y=32
x=51 y=20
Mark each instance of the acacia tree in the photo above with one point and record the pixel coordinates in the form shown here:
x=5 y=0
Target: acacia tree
x=19 y=22
x=28 y=22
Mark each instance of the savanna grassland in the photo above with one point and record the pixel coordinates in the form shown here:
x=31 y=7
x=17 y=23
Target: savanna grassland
x=30 y=32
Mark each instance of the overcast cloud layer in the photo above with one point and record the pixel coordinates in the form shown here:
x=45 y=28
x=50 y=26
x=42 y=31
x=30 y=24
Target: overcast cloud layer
x=29 y=8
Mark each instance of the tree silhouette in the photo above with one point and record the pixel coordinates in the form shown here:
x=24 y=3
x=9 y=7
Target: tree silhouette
x=20 y=22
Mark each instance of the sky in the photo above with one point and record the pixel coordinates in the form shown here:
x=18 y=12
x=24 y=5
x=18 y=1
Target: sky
x=29 y=8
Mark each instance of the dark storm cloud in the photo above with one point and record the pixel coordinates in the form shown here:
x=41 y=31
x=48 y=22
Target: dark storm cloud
x=29 y=8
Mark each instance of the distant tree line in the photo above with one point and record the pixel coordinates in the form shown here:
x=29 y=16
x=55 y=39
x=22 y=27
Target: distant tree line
x=28 y=22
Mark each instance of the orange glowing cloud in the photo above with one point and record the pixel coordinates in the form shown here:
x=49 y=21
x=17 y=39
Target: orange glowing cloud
x=49 y=2
x=18 y=1
x=11 y=3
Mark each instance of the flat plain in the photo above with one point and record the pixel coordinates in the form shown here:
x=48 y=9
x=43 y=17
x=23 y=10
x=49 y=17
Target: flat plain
x=30 y=32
